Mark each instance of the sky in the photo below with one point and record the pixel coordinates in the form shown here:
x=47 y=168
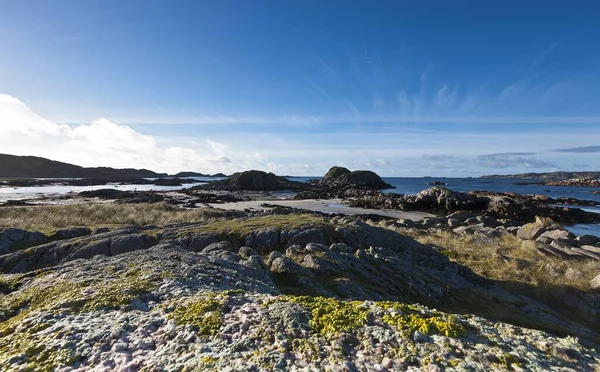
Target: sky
x=403 y=88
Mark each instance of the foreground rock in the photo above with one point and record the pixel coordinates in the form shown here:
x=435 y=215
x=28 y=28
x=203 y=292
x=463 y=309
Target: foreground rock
x=171 y=308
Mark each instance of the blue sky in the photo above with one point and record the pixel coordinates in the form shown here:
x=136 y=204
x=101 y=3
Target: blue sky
x=404 y=88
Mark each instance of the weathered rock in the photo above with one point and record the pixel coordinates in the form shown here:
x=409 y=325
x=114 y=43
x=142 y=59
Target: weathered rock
x=341 y=178
x=284 y=265
x=218 y=246
x=196 y=242
x=591 y=248
x=513 y=230
x=464 y=230
x=70 y=233
x=12 y=239
x=302 y=238
x=254 y=180
x=257 y=262
x=407 y=223
x=530 y=231
x=462 y=216
x=264 y=241
x=453 y=222
x=587 y=240
x=558 y=235
x=544 y=240
x=557 y=244
x=573 y=274
x=272 y=256
x=488 y=221
x=131 y=243
x=246 y=252
x=310 y=195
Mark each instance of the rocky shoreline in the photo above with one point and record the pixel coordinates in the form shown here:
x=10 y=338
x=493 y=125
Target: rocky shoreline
x=281 y=288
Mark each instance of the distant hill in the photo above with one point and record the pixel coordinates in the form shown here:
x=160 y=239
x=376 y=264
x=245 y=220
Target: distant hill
x=191 y=174
x=12 y=166
x=548 y=176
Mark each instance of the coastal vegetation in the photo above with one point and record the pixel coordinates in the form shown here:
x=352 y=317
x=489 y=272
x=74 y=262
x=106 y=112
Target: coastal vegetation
x=48 y=217
x=510 y=259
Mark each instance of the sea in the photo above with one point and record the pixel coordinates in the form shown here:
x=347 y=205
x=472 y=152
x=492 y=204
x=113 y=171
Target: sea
x=403 y=185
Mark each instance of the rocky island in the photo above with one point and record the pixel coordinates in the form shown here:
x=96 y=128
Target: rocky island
x=226 y=276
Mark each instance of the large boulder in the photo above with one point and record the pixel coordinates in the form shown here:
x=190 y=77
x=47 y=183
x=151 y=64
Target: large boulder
x=530 y=231
x=343 y=178
x=255 y=180
x=13 y=239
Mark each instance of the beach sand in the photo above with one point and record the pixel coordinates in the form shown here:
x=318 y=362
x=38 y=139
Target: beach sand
x=333 y=206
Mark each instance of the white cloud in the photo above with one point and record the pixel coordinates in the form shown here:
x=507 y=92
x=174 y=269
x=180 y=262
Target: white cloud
x=101 y=143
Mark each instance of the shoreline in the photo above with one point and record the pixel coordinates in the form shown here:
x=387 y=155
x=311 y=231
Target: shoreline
x=330 y=206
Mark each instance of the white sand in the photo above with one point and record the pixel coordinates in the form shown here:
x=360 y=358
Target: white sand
x=327 y=206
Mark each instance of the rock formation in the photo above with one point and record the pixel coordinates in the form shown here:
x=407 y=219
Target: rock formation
x=339 y=178
x=254 y=180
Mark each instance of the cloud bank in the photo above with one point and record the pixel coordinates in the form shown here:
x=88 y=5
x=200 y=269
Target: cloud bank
x=101 y=143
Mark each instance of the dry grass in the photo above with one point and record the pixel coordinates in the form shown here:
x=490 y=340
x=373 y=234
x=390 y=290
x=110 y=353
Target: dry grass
x=510 y=259
x=48 y=217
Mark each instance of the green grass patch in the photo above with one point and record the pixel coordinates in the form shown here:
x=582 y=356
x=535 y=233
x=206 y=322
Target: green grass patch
x=245 y=226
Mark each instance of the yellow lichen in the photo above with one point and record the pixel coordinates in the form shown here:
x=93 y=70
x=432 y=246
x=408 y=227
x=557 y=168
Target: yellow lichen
x=437 y=324
x=205 y=311
x=330 y=315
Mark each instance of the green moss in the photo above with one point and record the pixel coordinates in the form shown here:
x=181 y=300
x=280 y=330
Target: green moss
x=9 y=283
x=244 y=226
x=330 y=315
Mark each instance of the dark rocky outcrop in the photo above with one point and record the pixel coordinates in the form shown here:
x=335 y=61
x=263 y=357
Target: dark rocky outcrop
x=176 y=181
x=255 y=180
x=512 y=206
x=340 y=178
x=121 y=196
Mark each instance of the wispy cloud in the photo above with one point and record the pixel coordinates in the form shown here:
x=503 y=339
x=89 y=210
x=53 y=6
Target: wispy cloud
x=511 y=160
x=585 y=149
